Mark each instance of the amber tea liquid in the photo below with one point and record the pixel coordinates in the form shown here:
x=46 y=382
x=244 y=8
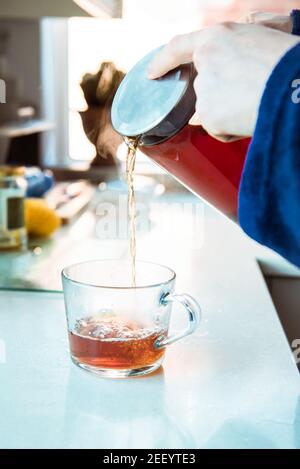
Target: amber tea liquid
x=112 y=342
x=132 y=144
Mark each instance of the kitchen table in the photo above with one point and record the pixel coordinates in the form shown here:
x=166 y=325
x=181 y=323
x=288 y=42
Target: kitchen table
x=233 y=384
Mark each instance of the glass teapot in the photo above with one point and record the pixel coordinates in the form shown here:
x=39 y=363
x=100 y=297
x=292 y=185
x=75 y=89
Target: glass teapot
x=157 y=113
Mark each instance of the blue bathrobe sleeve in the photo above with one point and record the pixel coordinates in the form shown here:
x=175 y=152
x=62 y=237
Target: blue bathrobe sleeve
x=269 y=196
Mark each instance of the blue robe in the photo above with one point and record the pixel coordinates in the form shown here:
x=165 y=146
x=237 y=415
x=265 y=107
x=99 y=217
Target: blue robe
x=269 y=197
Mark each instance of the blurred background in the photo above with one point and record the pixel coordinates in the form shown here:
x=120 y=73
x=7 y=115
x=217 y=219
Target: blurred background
x=61 y=62
x=51 y=53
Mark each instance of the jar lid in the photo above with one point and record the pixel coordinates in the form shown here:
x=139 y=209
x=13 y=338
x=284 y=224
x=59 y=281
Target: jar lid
x=7 y=171
x=141 y=104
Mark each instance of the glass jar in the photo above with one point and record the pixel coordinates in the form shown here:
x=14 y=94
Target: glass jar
x=13 y=235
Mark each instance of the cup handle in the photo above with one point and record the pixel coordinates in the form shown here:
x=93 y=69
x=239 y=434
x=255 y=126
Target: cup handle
x=194 y=313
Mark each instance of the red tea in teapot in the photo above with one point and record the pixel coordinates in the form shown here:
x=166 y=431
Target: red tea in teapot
x=206 y=166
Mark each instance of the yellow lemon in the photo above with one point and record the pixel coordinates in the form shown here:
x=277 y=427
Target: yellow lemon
x=40 y=219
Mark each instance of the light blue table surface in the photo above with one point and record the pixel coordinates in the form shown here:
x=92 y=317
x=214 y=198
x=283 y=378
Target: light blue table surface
x=233 y=384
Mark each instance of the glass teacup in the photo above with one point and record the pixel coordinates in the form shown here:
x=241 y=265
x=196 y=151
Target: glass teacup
x=116 y=330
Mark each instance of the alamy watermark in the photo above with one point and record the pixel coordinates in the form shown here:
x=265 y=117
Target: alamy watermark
x=2 y=92
x=296 y=93
x=183 y=221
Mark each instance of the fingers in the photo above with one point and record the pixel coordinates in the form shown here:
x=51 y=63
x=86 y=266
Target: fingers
x=181 y=49
x=178 y=51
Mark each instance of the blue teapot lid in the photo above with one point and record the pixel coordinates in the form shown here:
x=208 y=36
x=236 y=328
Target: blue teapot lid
x=158 y=107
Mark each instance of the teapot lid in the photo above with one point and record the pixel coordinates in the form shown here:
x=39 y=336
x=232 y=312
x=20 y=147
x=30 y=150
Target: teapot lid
x=141 y=104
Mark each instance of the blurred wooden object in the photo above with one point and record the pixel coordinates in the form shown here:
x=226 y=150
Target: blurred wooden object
x=99 y=90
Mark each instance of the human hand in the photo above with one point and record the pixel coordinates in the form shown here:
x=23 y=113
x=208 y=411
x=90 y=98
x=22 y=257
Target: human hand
x=233 y=61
